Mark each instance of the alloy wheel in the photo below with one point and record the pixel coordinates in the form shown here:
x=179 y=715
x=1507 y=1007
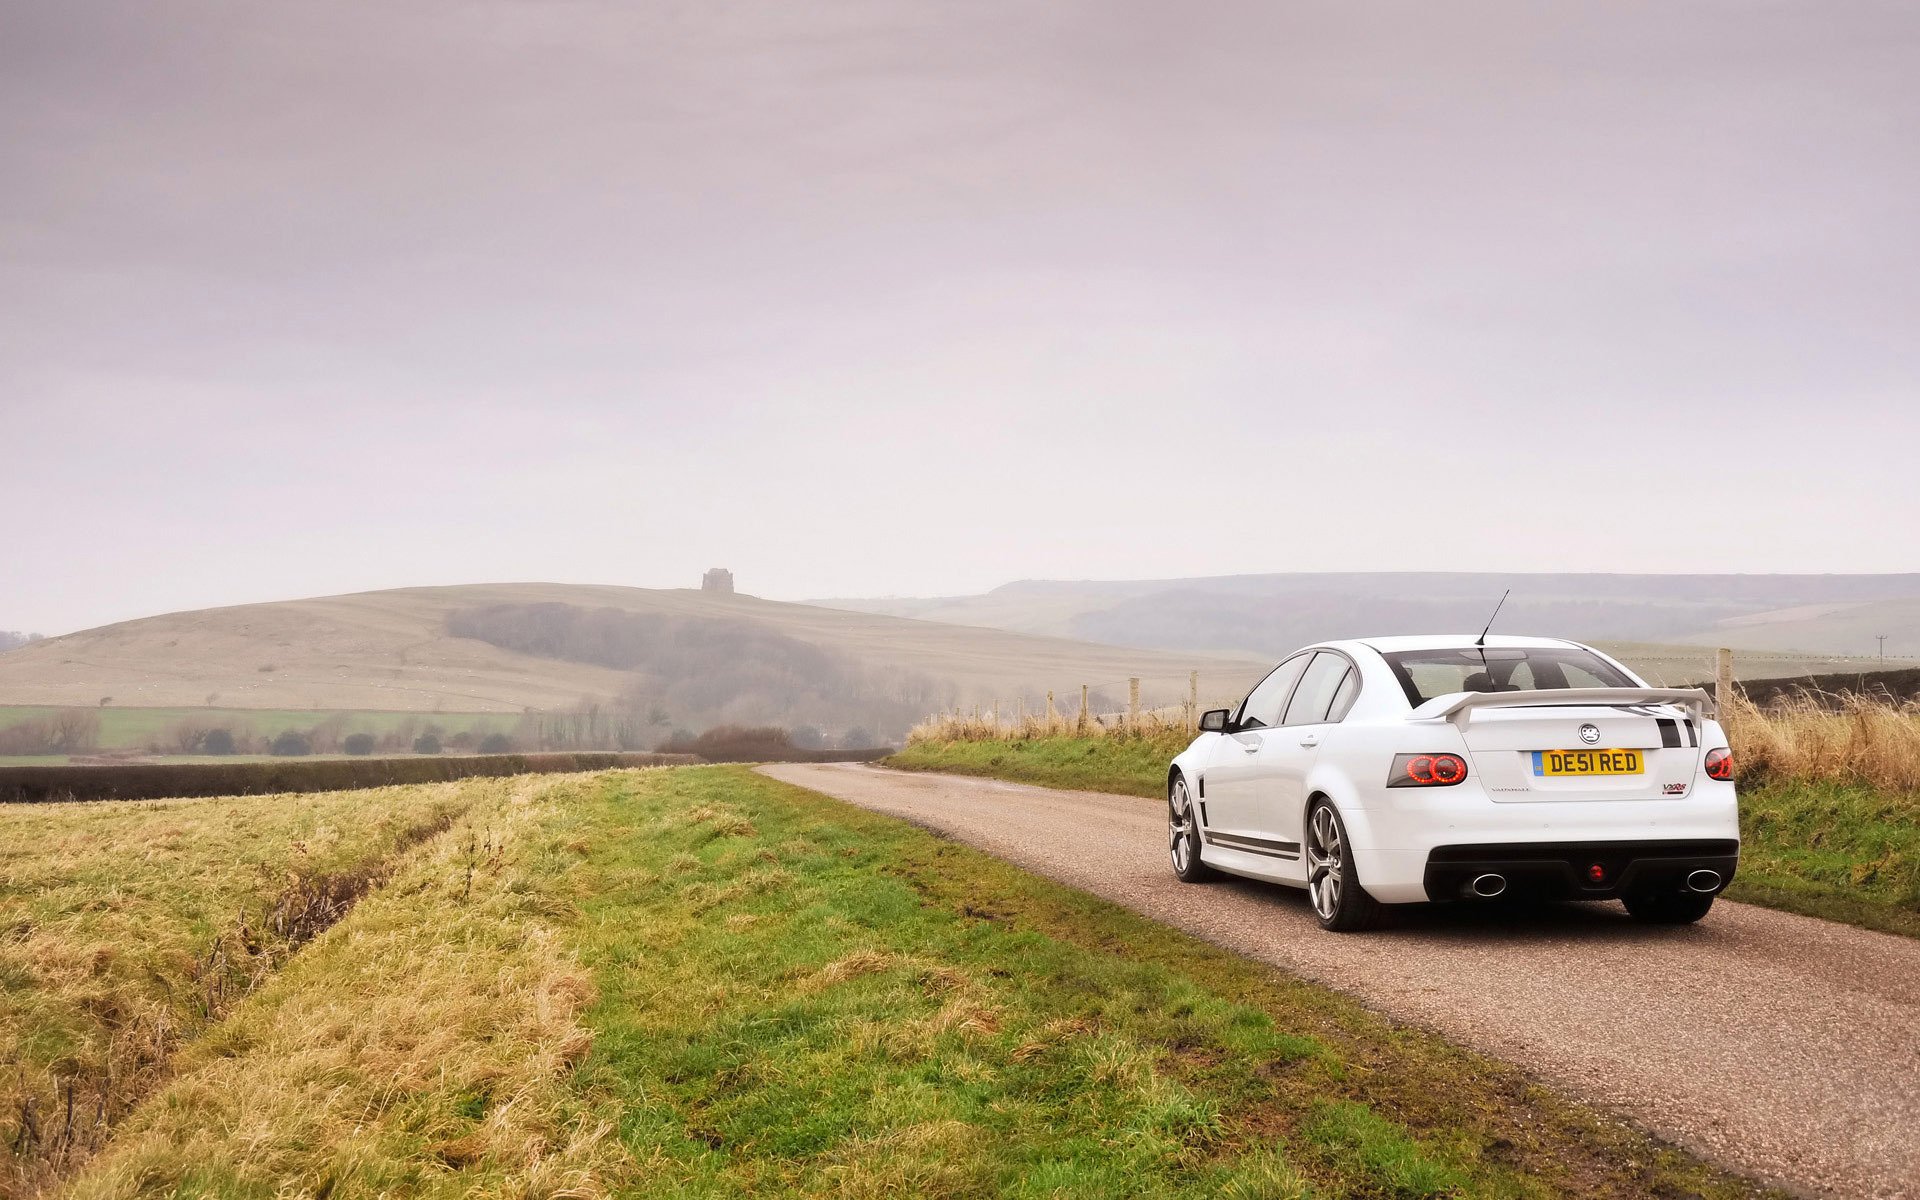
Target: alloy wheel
x=1180 y=827
x=1325 y=862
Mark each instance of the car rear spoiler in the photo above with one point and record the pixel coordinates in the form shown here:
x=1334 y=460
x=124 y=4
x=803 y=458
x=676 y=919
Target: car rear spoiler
x=1458 y=707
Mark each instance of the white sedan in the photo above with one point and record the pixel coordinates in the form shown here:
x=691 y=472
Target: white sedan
x=1399 y=770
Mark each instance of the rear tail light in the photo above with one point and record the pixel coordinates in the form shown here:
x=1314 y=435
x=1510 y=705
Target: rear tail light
x=1720 y=764
x=1427 y=770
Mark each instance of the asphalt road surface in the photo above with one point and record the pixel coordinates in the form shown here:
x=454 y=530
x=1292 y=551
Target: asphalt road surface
x=1781 y=1046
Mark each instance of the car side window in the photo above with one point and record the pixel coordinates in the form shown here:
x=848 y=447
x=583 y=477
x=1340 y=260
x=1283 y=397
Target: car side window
x=1319 y=685
x=1261 y=709
x=1344 y=696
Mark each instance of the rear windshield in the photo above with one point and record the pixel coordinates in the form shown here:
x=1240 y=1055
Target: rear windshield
x=1424 y=674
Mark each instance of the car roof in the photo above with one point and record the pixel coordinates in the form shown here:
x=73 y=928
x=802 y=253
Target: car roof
x=1449 y=641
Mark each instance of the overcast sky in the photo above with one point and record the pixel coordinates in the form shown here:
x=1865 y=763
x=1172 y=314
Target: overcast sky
x=918 y=298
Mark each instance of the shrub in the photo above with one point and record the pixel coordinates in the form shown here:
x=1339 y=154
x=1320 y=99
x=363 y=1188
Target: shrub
x=358 y=743
x=290 y=742
x=136 y=781
x=731 y=743
x=427 y=743
x=69 y=731
x=496 y=743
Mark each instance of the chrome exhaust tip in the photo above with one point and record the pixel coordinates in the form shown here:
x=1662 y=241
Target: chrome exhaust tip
x=1703 y=881
x=1488 y=886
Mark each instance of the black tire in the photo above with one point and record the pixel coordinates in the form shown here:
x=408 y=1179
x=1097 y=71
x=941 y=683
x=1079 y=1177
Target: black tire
x=1183 y=835
x=1668 y=908
x=1334 y=893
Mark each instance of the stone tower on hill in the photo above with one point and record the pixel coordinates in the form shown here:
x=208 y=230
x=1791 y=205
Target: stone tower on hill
x=717 y=580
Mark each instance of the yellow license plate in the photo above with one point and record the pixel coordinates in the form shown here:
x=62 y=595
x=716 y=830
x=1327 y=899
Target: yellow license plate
x=1587 y=762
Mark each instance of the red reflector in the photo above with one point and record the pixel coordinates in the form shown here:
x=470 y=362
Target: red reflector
x=1597 y=873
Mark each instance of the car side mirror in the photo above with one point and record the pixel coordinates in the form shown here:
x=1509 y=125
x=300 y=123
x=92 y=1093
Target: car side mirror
x=1214 y=720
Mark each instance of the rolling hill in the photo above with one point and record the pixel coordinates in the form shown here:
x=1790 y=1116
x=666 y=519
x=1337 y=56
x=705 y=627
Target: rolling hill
x=1780 y=622
x=699 y=658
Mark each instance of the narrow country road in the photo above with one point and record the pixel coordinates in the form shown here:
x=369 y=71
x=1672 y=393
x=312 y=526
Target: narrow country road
x=1778 y=1045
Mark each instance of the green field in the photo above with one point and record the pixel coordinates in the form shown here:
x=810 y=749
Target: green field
x=700 y=982
x=135 y=729
x=1843 y=852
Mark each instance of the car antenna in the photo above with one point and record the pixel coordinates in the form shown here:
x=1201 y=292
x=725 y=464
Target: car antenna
x=1482 y=643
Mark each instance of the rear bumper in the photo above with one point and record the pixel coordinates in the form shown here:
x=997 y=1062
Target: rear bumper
x=1564 y=870
x=1395 y=833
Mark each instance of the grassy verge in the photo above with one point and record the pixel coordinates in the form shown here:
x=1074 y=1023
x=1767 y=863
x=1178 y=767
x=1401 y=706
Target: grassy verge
x=1127 y=766
x=705 y=983
x=800 y=997
x=1844 y=852
x=127 y=928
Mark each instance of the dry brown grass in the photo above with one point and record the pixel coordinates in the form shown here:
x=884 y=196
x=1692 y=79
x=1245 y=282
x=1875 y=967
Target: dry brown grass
x=422 y=1046
x=1156 y=724
x=127 y=928
x=1827 y=739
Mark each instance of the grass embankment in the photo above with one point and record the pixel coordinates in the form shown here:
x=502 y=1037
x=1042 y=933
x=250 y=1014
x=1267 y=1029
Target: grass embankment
x=125 y=929
x=1845 y=852
x=705 y=983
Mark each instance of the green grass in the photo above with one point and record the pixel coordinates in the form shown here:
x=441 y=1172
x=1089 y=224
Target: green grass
x=1128 y=766
x=799 y=997
x=137 y=728
x=1842 y=852
x=704 y=983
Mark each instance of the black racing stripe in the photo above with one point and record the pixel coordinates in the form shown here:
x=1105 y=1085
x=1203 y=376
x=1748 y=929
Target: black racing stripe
x=1693 y=736
x=1669 y=732
x=1252 y=845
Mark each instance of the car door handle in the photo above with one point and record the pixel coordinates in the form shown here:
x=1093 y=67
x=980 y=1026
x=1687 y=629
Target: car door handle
x=1310 y=741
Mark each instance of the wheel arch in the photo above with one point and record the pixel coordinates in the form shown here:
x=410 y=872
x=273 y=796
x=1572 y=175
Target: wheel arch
x=1352 y=814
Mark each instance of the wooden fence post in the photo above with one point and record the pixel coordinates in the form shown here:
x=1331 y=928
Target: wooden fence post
x=1723 y=683
x=1133 y=703
x=1082 y=728
x=1050 y=713
x=1193 y=700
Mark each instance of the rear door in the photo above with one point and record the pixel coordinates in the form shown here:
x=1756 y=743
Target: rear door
x=1231 y=780
x=1325 y=692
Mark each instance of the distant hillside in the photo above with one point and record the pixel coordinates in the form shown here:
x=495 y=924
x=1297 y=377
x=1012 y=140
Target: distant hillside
x=1264 y=615
x=694 y=658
